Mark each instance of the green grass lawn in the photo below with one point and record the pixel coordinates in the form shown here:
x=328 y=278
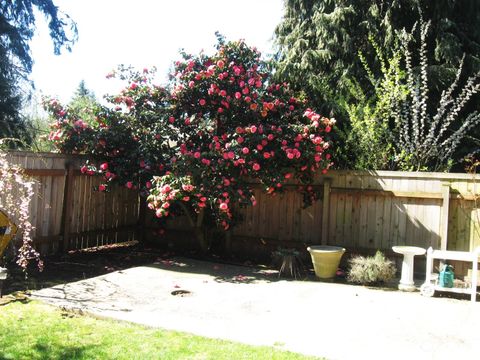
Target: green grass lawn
x=37 y=331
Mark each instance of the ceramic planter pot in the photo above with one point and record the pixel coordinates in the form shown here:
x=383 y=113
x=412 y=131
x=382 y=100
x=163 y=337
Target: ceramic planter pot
x=325 y=260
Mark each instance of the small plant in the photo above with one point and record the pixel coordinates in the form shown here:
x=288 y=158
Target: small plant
x=16 y=193
x=371 y=270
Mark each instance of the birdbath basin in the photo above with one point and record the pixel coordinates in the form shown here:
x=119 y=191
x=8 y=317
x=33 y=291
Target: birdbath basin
x=408 y=252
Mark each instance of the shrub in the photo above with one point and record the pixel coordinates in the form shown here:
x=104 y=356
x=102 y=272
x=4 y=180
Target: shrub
x=16 y=192
x=371 y=270
x=195 y=145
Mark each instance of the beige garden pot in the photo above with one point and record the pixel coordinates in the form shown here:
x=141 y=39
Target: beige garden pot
x=325 y=260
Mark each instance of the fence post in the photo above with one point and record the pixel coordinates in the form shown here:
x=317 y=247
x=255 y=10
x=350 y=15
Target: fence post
x=66 y=210
x=444 y=218
x=325 y=211
x=141 y=223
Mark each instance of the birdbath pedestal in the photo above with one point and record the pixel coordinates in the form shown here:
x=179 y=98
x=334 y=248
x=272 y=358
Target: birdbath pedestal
x=408 y=252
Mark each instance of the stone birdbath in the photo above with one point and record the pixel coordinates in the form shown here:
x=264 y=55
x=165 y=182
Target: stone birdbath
x=408 y=252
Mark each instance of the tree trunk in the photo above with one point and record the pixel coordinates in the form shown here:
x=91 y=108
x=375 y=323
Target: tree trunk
x=198 y=228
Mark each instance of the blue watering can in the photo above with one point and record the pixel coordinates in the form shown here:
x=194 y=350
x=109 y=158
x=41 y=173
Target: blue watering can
x=446 y=276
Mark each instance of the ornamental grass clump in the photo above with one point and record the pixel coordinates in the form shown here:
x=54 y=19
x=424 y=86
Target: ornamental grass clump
x=371 y=270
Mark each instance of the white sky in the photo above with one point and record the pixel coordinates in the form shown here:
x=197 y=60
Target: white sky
x=143 y=33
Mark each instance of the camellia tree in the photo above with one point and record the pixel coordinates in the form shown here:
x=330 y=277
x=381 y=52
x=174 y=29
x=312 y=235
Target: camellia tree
x=197 y=145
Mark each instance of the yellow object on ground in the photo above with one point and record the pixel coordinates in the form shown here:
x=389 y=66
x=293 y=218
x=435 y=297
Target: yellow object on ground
x=325 y=260
x=7 y=231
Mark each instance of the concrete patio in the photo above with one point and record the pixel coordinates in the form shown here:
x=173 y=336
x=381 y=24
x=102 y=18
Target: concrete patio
x=253 y=306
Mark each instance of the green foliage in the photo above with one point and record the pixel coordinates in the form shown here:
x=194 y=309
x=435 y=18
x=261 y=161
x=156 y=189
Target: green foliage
x=37 y=331
x=371 y=270
x=317 y=41
x=371 y=136
x=17 y=27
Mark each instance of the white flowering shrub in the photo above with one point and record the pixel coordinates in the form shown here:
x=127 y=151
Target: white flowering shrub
x=428 y=141
x=16 y=194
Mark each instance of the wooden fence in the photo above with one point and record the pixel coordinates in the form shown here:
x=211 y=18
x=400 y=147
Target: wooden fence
x=66 y=214
x=362 y=211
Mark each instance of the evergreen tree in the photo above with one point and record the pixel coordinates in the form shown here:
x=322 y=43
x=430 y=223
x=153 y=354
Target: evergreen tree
x=17 y=27
x=83 y=92
x=318 y=40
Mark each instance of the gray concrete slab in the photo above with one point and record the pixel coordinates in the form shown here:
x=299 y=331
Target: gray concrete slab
x=249 y=305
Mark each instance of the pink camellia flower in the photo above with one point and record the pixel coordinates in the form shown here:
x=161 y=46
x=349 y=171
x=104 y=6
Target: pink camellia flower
x=220 y=64
x=259 y=147
x=238 y=95
x=245 y=90
x=171 y=119
x=241 y=84
x=159 y=213
x=245 y=150
x=102 y=187
x=201 y=204
x=256 y=167
x=148 y=185
x=290 y=155
x=202 y=102
x=223 y=206
x=133 y=86
x=80 y=124
x=191 y=83
x=220 y=110
x=197 y=155
x=165 y=189
x=187 y=121
x=186 y=198
x=253 y=129
x=222 y=93
x=226 y=182
x=240 y=140
x=231 y=155
x=108 y=175
x=239 y=130
x=266 y=155
x=187 y=187
x=258 y=84
x=166 y=205
x=203 y=199
x=83 y=169
x=129 y=184
x=288 y=175
x=248 y=99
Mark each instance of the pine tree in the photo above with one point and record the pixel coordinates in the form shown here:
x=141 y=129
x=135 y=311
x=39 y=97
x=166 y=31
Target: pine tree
x=318 y=40
x=17 y=27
